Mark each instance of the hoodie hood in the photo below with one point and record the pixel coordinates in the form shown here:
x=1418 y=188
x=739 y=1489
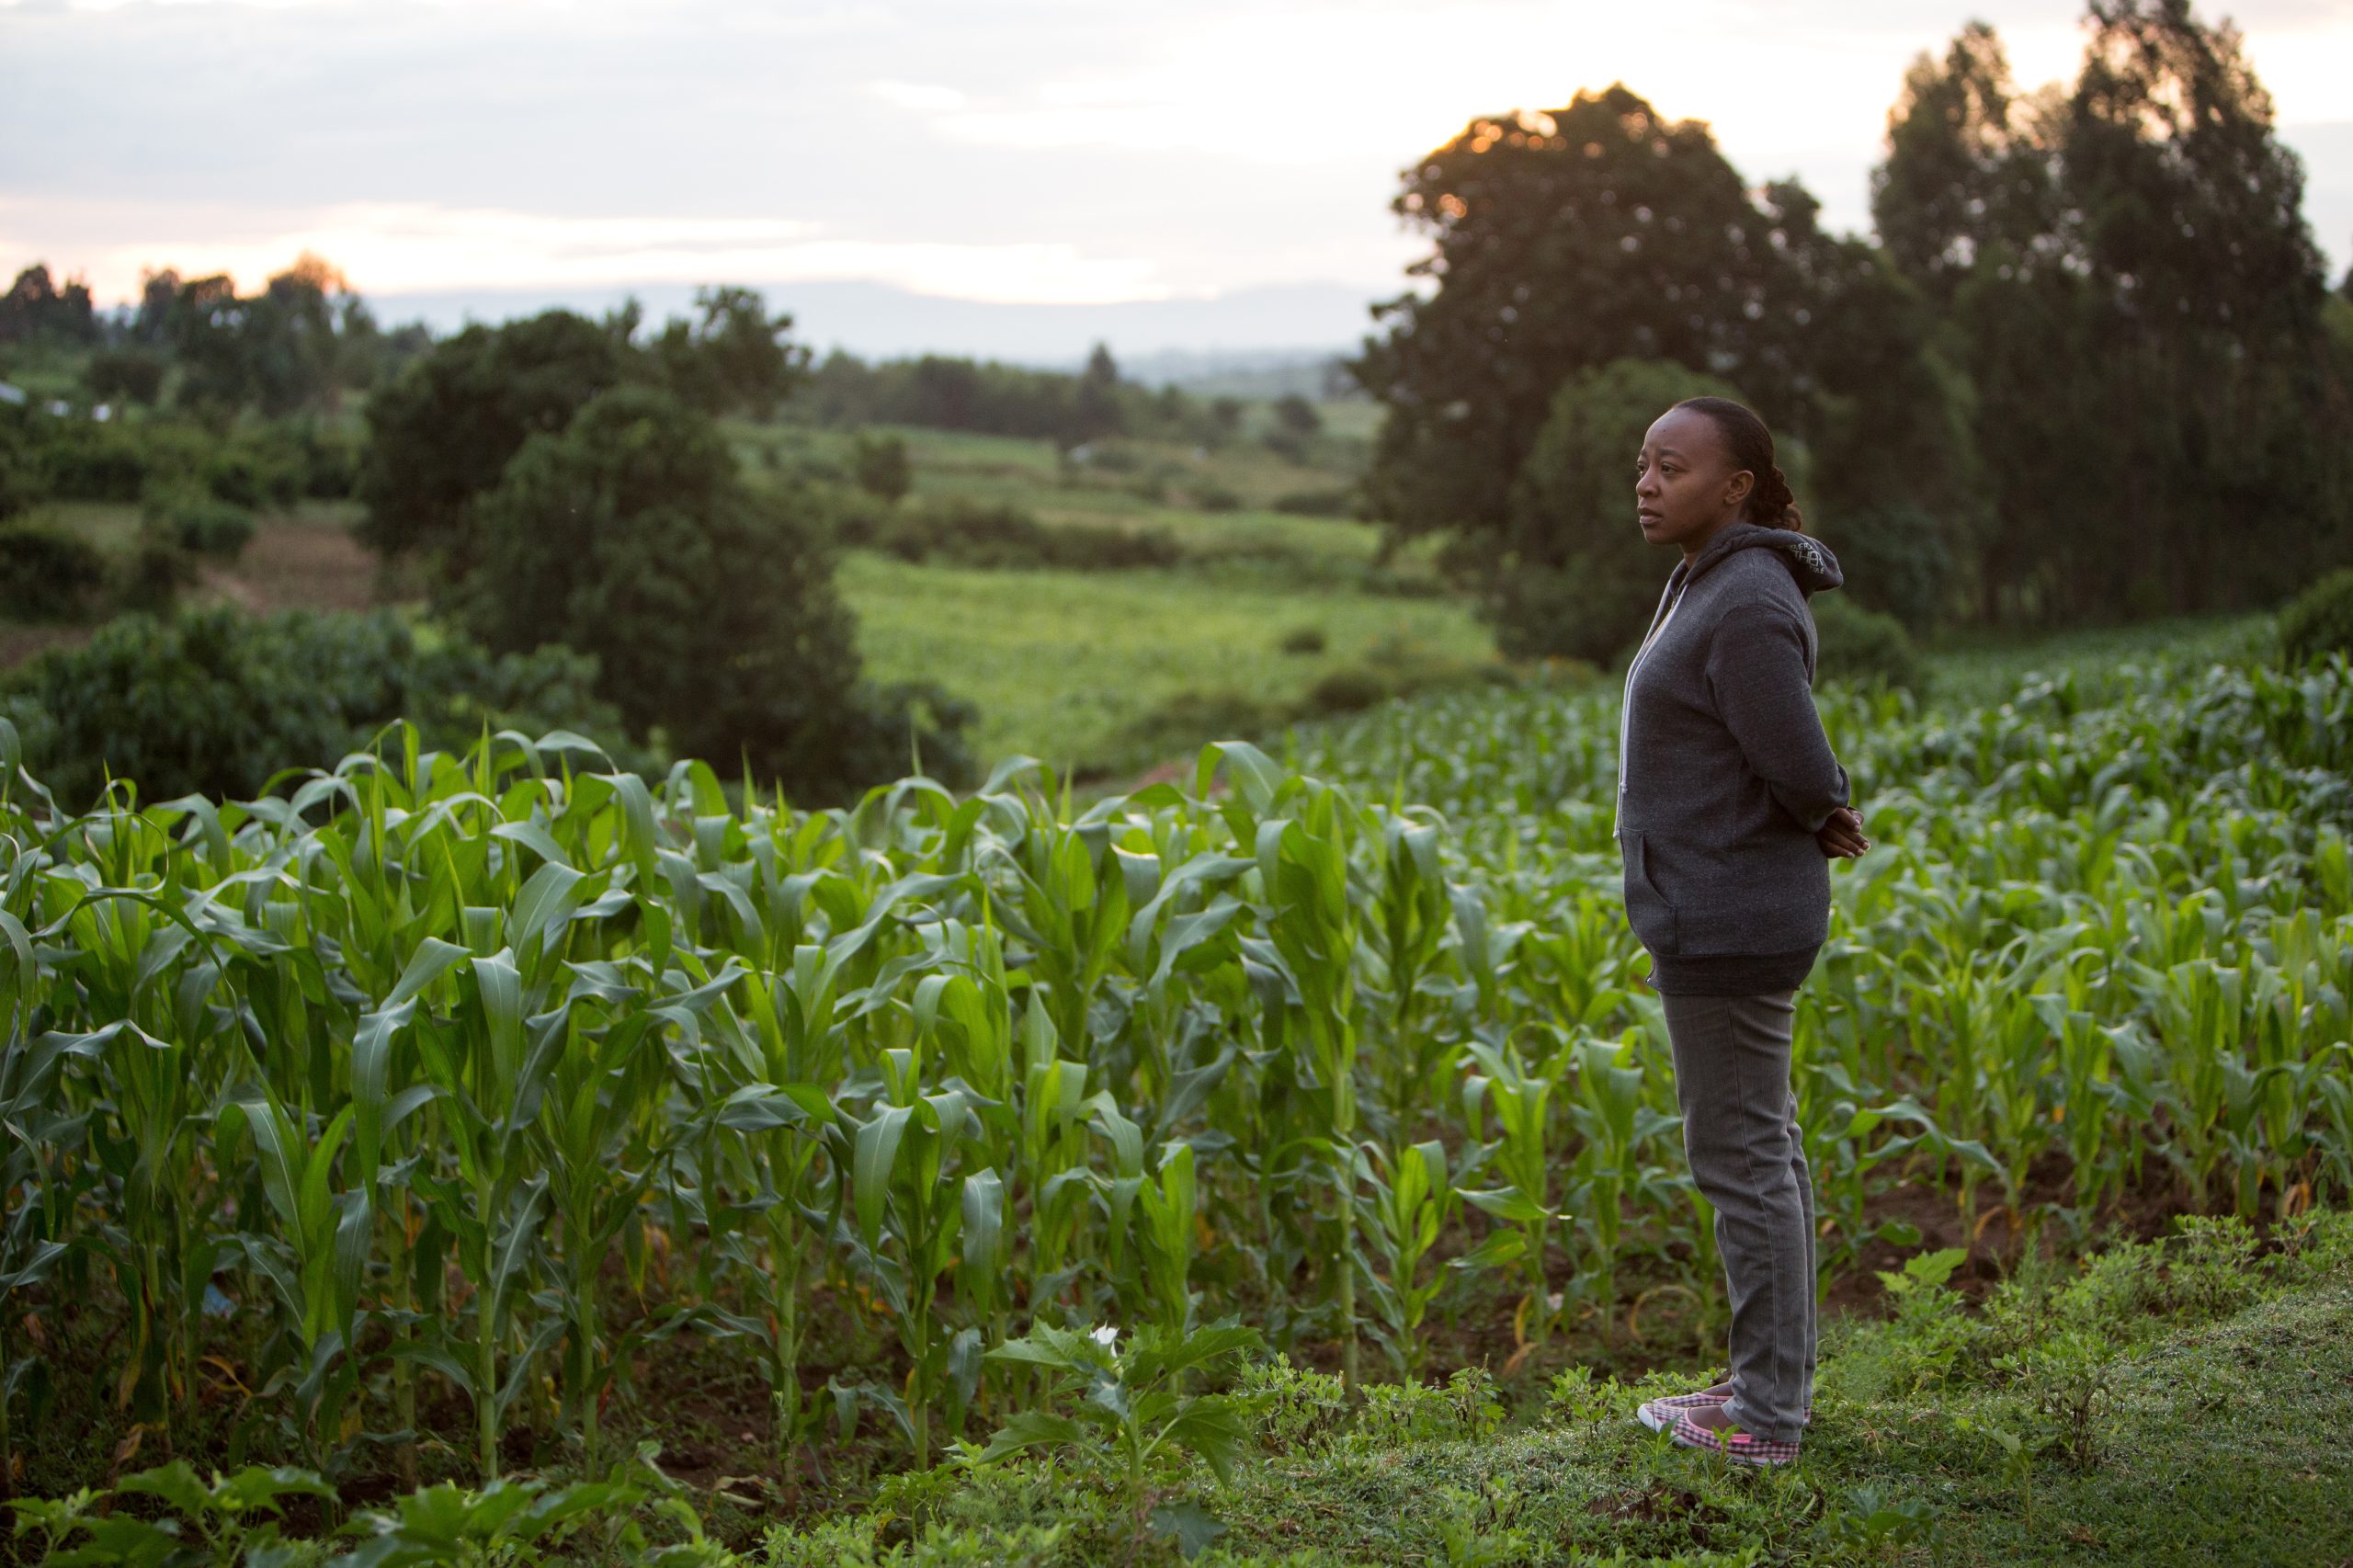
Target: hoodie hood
x=1808 y=559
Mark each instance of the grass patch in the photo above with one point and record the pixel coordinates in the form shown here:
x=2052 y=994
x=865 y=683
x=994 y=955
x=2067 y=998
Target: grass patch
x=2219 y=1445
x=1974 y=665
x=1065 y=665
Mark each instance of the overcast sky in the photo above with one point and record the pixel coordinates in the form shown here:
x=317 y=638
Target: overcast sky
x=1033 y=151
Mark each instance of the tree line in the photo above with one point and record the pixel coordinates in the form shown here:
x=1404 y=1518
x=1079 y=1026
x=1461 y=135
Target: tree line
x=2090 y=368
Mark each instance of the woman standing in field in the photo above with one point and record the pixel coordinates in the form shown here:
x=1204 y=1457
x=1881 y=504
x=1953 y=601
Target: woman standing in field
x=1729 y=803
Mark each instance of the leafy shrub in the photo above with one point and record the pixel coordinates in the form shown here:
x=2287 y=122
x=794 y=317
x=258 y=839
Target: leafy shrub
x=1571 y=574
x=957 y=531
x=2069 y=1378
x=1895 y=561
x=1863 y=646
x=1210 y=496
x=1182 y=723
x=84 y=461
x=263 y=468
x=216 y=701
x=22 y=479
x=331 y=458
x=882 y=466
x=2211 y=1268
x=197 y=520
x=1401 y=1415
x=709 y=607
x=2319 y=620
x=1348 y=689
x=1303 y=640
x=1298 y=1408
x=1576 y=1397
x=124 y=375
x=902 y=728
x=1931 y=1332
x=444 y=429
x=150 y=579
x=47 y=573
x=1336 y=503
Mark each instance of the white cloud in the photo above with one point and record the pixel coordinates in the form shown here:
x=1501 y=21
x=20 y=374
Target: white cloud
x=921 y=98
x=393 y=248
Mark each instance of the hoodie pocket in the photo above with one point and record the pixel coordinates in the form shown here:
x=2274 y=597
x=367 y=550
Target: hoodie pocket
x=1647 y=909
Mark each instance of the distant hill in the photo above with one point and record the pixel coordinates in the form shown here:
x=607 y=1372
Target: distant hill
x=1251 y=329
x=1264 y=373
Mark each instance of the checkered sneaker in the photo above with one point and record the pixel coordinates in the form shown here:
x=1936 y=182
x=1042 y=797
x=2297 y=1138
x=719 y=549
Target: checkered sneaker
x=1660 y=1413
x=1741 y=1448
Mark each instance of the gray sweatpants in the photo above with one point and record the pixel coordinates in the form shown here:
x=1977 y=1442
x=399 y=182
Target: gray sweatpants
x=1740 y=1131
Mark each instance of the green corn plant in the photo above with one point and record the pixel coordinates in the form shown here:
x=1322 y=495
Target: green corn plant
x=1310 y=924
x=1168 y=1235
x=600 y=1137
x=904 y=1191
x=313 y=1265
x=1616 y=1129
x=1054 y=1173
x=1410 y=921
x=1520 y=1153
x=488 y=1076
x=37 y=1182
x=1411 y=1200
x=771 y=1127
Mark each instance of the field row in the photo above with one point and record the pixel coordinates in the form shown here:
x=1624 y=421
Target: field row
x=477 y=1075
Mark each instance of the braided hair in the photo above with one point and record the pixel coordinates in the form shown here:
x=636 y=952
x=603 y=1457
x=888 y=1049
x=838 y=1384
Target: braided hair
x=1770 y=502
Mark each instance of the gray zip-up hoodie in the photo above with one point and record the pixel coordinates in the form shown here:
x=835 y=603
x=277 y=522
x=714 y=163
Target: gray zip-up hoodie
x=1724 y=772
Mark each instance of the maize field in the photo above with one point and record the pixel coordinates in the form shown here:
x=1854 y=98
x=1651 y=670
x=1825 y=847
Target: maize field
x=444 y=1080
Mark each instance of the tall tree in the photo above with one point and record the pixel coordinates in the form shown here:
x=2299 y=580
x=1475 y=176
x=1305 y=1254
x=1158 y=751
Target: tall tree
x=1599 y=231
x=733 y=356
x=709 y=607
x=1095 y=405
x=1598 y=234
x=35 y=308
x=444 y=430
x=1969 y=173
x=2137 y=301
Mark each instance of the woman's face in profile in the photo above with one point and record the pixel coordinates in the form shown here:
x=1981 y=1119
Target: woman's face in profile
x=1684 y=484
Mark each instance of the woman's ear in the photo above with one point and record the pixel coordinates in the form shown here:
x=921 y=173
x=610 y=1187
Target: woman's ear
x=1738 y=488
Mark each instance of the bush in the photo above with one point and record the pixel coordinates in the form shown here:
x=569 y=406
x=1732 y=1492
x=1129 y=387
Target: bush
x=1303 y=640
x=709 y=607
x=960 y=532
x=48 y=573
x=444 y=431
x=1573 y=575
x=331 y=457
x=84 y=461
x=1338 y=502
x=881 y=466
x=148 y=581
x=124 y=375
x=216 y=701
x=22 y=479
x=1351 y=688
x=1895 y=560
x=1863 y=646
x=1210 y=496
x=264 y=469
x=197 y=520
x=2319 y=621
